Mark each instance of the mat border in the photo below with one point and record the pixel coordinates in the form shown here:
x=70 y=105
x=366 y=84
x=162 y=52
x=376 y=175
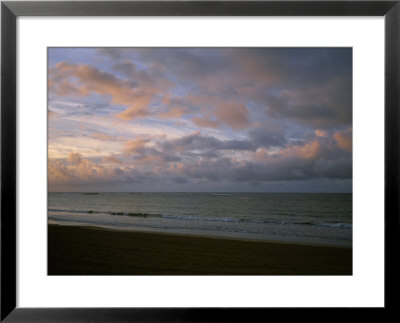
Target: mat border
x=10 y=10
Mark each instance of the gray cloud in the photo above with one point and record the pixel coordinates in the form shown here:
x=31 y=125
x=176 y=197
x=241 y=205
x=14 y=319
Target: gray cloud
x=312 y=86
x=265 y=137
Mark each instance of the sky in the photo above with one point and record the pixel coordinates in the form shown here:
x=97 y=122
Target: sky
x=200 y=119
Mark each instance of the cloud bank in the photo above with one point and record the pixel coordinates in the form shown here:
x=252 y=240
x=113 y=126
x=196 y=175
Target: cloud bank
x=189 y=119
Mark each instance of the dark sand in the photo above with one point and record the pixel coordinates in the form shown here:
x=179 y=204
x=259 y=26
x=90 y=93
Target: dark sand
x=93 y=251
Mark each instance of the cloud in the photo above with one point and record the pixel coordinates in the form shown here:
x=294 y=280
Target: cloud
x=344 y=139
x=85 y=172
x=208 y=111
x=176 y=106
x=126 y=67
x=140 y=78
x=198 y=146
x=112 y=159
x=206 y=122
x=58 y=172
x=105 y=137
x=150 y=153
x=201 y=116
x=269 y=135
x=71 y=79
x=137 y=110
x=311 y=86
x=74 y=158
x=321 y=133
x=278 y=168
x=197 y=159
x=51 y=113
x=319 y=158
x=322 y=106
x=135 y=146
x=233 y=114
x=205 y=157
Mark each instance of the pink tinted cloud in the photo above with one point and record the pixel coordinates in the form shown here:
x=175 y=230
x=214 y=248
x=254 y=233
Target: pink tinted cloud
x=206 y=122
x=74 y=158
x=137 y=93
x=51 y=113
x=308 y=150
x=105 y=137
x=58 y=172
x=78 y=170
x=137 y=109
x=176 y=106
x=344 y=139
x=321 y=133
x=233 y=114
x=89 y=79
x=174 y=112
x=212 y=111
x=112 y=159
x=135 y=146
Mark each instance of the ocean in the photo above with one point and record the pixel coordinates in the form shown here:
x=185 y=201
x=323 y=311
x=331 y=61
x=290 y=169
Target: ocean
x=286 y=217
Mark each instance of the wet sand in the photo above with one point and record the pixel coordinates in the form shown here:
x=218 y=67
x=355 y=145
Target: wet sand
x=74 y=250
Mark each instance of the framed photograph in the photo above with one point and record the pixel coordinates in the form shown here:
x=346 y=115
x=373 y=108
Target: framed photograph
x=197 y=161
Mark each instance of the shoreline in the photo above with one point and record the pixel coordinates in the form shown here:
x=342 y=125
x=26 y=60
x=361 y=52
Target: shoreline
x=193 y=235
x=92 y=250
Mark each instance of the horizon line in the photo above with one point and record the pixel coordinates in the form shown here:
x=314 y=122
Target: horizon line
x=215 y=192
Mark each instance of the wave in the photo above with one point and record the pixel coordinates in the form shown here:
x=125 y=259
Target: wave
x=138 y=214
x=337 y=225
x=208 y=219
x=198 y=218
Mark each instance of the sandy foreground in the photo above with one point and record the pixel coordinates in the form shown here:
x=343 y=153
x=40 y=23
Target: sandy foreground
x=74 y=250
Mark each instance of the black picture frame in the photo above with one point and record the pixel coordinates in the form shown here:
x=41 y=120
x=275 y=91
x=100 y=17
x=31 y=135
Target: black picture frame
x=11 y=10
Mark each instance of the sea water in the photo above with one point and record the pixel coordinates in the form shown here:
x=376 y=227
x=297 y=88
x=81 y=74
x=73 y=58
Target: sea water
x=297 y=217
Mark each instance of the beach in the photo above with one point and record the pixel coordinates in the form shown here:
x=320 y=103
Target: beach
x=86 y=250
